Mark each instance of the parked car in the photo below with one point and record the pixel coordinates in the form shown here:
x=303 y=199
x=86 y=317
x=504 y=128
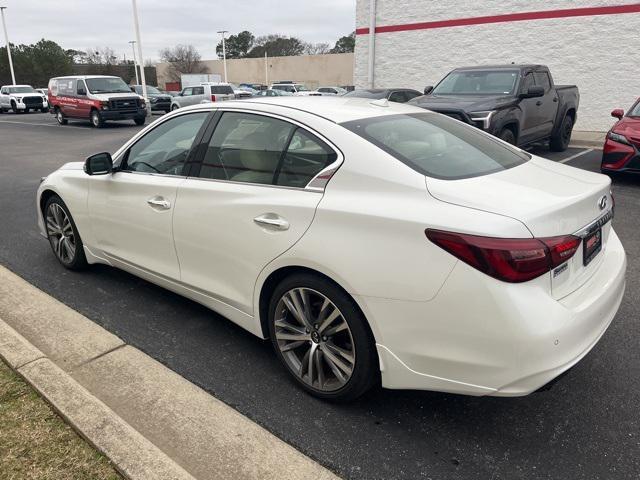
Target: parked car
x=297 y=89
x=255 y=86
x=159 y=100
x=239 y=92
x=398 y=95
x=97 y=98
x=519 y=104
x=331 y=90
x=207 y=92
x=621 y=152
x=369 y=243
x=273 y=93
x=21 y=99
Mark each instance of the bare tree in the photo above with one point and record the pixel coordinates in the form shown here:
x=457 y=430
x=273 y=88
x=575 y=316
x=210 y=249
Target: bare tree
x=316 y=48
x=182 y=59
x=101 y=56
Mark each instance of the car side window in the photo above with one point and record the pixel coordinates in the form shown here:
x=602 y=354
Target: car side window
x=306 y=156
x=82 y=88
x=409 y=95
x=198 y=90
x=542 y=80
x=3 y=91
x=187 y=92
x=397 y=97
x=527 y=82
x=246 y=147
x=164 y=149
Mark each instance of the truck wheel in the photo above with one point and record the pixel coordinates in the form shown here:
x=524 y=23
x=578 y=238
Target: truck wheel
x=139 y=120
x=507 y=135
x=96 y=119
x=14 y=107
x=60 y=117
x=559 y=141
x=174 y=107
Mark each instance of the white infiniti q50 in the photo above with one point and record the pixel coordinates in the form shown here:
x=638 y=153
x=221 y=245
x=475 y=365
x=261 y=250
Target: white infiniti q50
x=370 y=241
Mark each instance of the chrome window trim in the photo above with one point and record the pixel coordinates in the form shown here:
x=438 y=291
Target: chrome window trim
x=332 y=167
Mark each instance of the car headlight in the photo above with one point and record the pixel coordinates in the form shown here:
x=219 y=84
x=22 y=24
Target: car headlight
x=616 y=137
x=484 y=117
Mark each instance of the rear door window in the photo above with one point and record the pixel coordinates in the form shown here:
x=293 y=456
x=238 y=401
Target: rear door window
x=437 y=146
x=305 y=157
x=198 y=90
x=542 y=80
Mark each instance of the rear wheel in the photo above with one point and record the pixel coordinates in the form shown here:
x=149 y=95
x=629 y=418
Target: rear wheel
x=560 y=140
x=63 y=235
x=322 y=338
x=96 y=119
x=508 y=136
x=62 y=120
x=139 y=120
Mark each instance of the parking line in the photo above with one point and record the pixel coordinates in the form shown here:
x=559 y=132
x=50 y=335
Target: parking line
x=29 y=123
x=572 y=157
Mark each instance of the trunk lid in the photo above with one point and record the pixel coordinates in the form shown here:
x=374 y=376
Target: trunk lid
x=550 y=199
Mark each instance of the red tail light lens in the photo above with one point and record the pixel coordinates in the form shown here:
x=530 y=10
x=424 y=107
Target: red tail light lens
x=213 y=98
x=512 y=260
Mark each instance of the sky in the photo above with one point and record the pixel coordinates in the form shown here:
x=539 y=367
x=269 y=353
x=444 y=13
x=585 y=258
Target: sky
x=83 y=24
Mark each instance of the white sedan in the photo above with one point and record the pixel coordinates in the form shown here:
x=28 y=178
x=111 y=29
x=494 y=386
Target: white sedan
x=372 y=242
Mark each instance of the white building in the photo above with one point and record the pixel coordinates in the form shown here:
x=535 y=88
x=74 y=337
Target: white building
x=591 y=43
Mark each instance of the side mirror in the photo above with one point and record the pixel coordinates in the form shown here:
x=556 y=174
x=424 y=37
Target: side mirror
x=533 y=92
x=617 y=113
x=98 y=164
x=428 y=90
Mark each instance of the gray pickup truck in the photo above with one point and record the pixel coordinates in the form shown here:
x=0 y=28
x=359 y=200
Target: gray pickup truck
x=518 y=103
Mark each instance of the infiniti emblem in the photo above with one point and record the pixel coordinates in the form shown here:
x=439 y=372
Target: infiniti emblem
x=602 y=203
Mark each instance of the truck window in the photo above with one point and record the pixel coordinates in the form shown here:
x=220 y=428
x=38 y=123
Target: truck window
x=542 y=80
x=527 y=81
x=198 y=90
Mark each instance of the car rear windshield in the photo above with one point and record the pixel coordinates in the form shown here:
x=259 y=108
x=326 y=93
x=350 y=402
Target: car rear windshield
x=375 y=94
x=221 y=90
x=478 y=82
x=107 y=85
x=438 y=146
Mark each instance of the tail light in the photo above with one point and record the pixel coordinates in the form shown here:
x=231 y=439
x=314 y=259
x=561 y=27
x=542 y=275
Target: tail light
x=213 y=98
x=512 y=260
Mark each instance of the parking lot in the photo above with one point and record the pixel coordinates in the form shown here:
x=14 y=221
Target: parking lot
x=586 y=426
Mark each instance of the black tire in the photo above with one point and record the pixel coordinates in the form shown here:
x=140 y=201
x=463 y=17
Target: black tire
x=14 y=107
x=45 y=110
x=366 y=371
x=174 y=107
x=139 y=120
x=167 y=110
x=560 y=140
x=26 y=110
x=96 y=119
x=62 y=120
x=508 y=136
x=79 y=260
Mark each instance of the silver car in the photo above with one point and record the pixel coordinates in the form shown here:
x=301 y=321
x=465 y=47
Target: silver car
x=203 y=93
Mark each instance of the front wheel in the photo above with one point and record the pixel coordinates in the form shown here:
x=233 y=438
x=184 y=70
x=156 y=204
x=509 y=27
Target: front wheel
x=560 y=140
x=139 y=120
x=508 y=136
x=174 y=107
x=60 y=117
x=63 y=235
x=96 y=119
x=322 y=338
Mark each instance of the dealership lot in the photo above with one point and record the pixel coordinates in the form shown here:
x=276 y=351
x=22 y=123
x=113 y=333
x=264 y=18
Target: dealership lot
x=586 y=426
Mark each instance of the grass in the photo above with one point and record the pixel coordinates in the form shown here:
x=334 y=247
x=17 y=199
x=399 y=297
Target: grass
x=35 y=443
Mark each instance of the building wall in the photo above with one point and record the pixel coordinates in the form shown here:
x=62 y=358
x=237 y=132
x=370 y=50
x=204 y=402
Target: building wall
x=597 y=53
x=312 y=70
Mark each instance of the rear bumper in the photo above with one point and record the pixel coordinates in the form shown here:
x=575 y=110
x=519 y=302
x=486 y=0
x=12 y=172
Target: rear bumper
x=479 y=336
x=128 y=115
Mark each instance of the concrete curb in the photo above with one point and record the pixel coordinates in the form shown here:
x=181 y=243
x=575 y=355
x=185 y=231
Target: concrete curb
x=148 y=420
x=584 y=139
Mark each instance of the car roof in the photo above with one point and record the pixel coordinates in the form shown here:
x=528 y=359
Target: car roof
x=336 y=109
x=511 y=66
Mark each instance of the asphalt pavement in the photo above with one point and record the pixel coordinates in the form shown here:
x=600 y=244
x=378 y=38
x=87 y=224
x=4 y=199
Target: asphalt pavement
x=587 y=426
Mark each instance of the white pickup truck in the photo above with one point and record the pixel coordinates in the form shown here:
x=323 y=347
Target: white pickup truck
x=22 y=98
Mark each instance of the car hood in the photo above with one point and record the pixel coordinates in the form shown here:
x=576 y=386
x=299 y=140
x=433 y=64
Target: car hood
x=110 y=96
x=629 y=127
x=468 y=103
x=72 y=166
x=548 y=197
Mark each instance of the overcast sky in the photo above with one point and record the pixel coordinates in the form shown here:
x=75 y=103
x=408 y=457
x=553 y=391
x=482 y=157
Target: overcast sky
x=82 y=24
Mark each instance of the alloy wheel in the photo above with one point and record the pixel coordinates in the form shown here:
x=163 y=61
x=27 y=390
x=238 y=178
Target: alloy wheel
x=60 y=232
x=314 y=339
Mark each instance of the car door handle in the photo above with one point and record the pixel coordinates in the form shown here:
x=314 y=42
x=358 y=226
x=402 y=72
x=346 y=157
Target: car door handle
x=538 y=103
x=159 y=202
x=272 y=220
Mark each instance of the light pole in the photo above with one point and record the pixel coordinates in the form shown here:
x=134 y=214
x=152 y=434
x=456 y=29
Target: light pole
x=144 y=81
x=135 y=65
x=6 y=37
x=224 y=54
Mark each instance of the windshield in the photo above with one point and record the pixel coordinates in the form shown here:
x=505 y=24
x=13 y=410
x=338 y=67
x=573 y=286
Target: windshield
x=151 y=90
x=478 y=82
x=437 y=146
x=375 y=94
x=635 y=110
x=107 y=85
x=25 y=89
x=302 y=88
